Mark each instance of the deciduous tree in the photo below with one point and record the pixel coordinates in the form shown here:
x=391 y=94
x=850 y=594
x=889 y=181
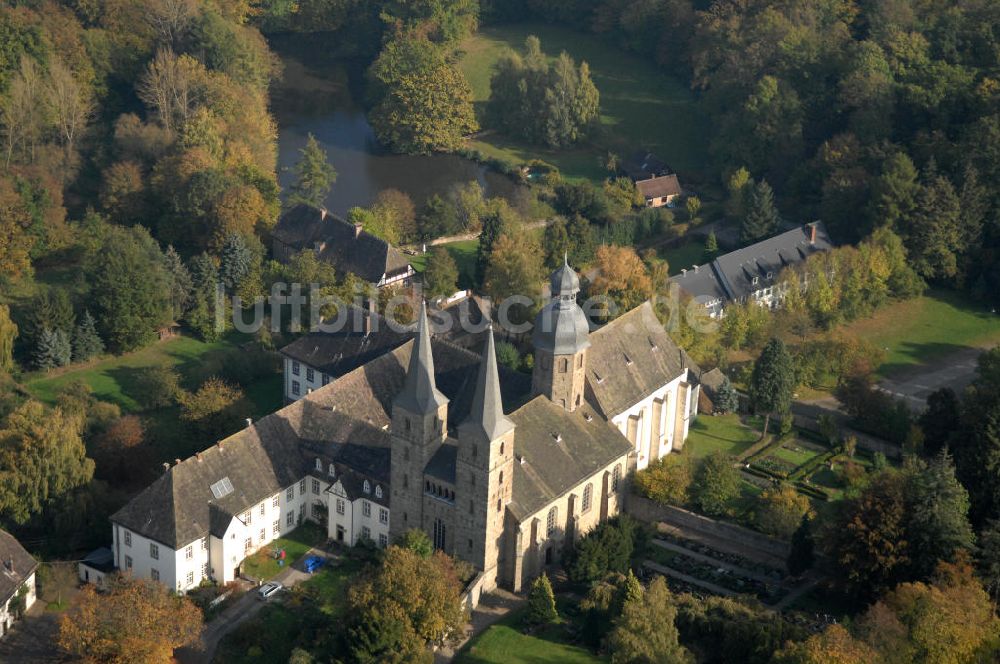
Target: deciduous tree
x=716 y=484
x=646 y=632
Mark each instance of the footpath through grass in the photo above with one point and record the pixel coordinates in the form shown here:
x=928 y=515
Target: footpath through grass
x=927 y=328
x=641 y=106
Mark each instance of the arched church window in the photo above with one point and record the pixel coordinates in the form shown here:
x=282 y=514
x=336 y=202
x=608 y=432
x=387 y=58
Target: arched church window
x=588 y=497
x=550 y=521
x=616 y=476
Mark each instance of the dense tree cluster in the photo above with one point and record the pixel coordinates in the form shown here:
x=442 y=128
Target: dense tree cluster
x=549 y=103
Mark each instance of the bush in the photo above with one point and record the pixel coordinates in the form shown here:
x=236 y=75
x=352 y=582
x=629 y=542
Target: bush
x=157 y=387
x=780 y=510
x=716 y=484
x=607 y=548
x=666 y=480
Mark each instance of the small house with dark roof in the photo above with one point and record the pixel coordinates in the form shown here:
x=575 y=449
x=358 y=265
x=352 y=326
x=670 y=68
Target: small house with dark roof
x=346 y=246
x=643 y=165
x=751 y=274
x=501 y=469
x=17 y=581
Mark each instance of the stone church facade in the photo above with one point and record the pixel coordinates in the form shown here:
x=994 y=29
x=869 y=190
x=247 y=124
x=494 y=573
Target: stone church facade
x=498 y=468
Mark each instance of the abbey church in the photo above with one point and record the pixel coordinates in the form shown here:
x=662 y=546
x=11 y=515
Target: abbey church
x=499 y=468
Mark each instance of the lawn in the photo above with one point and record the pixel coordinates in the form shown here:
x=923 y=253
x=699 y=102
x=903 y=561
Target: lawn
x=464 y=253
x=113 y=379
x=794 y=455
x=927 y=328
x=641 y=106
x=505 y=643
x=263 y=565
x=685 y=256
x=719 y=433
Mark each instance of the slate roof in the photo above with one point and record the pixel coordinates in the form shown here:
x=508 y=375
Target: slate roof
x=643 y=164
x=442 y=464
x=346 y=422
x=22 y=565
x=340 y=352
x=629 y=358
x=730 y=276
x=486 y=419
x=363 y=254
x=658 y=187
x=102 y=559
x=419 y=393
x=559 y=449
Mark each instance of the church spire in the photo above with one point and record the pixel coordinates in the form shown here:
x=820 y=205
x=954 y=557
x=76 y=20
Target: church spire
x=486 y=416
x=420 y=394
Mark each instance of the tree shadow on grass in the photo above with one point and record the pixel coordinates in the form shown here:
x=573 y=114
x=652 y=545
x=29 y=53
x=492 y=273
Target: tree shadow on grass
x=921 y=355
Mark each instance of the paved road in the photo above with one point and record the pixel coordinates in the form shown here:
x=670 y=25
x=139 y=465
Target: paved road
x=955 y=370
x=243 y=609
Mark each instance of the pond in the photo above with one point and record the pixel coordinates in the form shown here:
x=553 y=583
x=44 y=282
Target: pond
x=321 y=96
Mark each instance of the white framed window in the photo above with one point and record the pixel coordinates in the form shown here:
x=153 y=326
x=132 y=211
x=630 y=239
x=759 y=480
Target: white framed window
x=378 y=491
x=290 y=519
x=204 y=544
x=340 y=505
x=154 y=551
x=128 y=562
x=189 y=552
x=247 y=545
x=331 y=471
x=247 y=517
x=296 y=388
x=262 y=507
x=204 y=571
x=276 y=527
x=315 y=486
x=128 y=538
x=366 y=508
x=383 y=540
x=383 y=515
x=367 y=487
x=295 y=368
x=310 y=374
x=316 y=510
x=319 y=464
x=276 y=501
x=366 y=532
x=154 y=574
x=326 y=379
x=190 y=578
x=302 y=487
x=263 y=534
x=290 y=493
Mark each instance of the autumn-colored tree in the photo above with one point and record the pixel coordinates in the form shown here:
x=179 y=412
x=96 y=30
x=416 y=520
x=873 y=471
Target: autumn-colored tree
x=15 y=241
x=834 y=645
x=780 y=510
x=118 y=448
x=515 y=269
x=666 y=480
x=403 y=605
x=399 y=207
x=216 y=409
x=622 y=277
x=135 y=620
x=42 y=458
x=8 y=333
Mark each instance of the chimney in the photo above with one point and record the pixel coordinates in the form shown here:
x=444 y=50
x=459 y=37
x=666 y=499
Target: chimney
x=177 y=462
x=166 y=466
x=198 y=456
x=249 y=422
x=683 y=272
x=696 y=269
x=357 y=231
x=9 y=564
x=812 y=233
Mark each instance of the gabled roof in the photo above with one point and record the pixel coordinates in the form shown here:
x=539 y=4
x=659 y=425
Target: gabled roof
x=337 y=353
x=658 y=187
x=731 y=276
x=556 y=450
x=630 y=358
x=346 y=422
x=21 y=565
x=340 y=243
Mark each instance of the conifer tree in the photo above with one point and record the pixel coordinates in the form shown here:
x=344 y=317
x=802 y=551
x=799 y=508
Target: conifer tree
x=180 y=282
x=541 y=602
x=711 y=246
x=314 y=176
x=761 y=217
x=86 y=341
x=53 y=350
x=801 y=554
x=726 y=399
x=772 y=381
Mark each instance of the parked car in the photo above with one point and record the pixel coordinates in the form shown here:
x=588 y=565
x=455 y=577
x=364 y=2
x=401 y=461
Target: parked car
x=269 y=590
x=313 y=563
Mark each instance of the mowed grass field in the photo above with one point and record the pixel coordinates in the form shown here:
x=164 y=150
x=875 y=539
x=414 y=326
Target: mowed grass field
x=464 y=253
x=641 y=106
x=505 y=643
x=927 y=328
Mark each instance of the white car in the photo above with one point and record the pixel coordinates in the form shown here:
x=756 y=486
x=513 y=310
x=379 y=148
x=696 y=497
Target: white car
x=269 y=590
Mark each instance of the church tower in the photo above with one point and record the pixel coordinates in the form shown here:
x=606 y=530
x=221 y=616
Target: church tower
x=418 y=427
x=561 y=339
x=484 y=472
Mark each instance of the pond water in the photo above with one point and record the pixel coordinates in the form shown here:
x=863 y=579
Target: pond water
x=320 y=97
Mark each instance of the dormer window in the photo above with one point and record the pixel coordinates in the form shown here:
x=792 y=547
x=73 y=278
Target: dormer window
x=367 y=487
x=598 y=377
x=755 y=280
x=770 y=275
x=652 y=345
x=331 y=470
x=319 y=464
x=628 y=360
x=378 y=491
